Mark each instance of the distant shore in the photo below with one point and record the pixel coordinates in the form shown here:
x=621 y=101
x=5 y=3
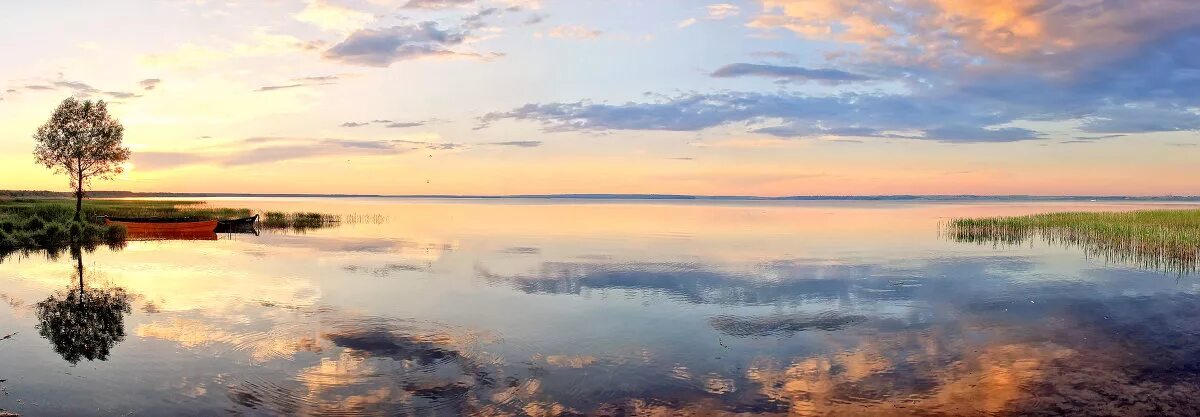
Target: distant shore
x=1067 y=198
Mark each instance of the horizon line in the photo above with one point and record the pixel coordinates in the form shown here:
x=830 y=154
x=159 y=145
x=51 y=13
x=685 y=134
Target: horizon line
x=613 y=196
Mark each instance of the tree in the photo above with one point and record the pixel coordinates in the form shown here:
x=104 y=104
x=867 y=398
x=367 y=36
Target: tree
x=83 y=141
x=86 y=324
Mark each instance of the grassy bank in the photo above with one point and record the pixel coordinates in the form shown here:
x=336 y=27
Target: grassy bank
x=1159 y=239
x=27 y=224
x=49 y=224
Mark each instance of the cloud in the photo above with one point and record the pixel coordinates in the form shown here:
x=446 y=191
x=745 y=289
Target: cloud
x=401 y=125
x=437 y=4
x=783 y=115
x=76 y=86
x=534 y=19
x=475 y=20
x=965 y=31
x=333 y=17
x=774 y=55
x=149 y=83
x=265 y=150
x=718 y=11
x=1084 y=138
x=391 y=124
x=120 y=94
x=570 y=32
x=978 y=134
x=524 y=4
x=958 y=71
x=154 y=161
x=302 y=82
x=319 y=78
x=519 y=143
x=801 y=74
x=1142 y=119
x=278 y=87
x=383 y=47
x=722 y=11
x=77 y=89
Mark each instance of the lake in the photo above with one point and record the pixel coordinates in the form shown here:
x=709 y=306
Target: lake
x=561 y=307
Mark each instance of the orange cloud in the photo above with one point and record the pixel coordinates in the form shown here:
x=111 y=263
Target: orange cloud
x=928 y=30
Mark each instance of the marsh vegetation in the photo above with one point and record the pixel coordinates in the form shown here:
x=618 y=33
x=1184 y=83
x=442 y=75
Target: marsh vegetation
x=298 y=222
x=50 y=224
x=1167 y=240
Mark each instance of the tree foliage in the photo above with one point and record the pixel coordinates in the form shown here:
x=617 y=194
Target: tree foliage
x=83 y=141
x=84 y=323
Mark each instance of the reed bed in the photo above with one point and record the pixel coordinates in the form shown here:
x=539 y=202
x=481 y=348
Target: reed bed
x=303 y=221
x=1167 y=240
x=92 y=209
x=48 y=224
x=298 y=222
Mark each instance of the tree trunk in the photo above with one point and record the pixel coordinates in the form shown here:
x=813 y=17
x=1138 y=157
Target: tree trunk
x=79 y=196
x=78 y=203
x=77 y=253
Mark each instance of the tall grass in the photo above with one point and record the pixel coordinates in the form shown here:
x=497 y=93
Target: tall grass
x=60 y=208
x=47 y=224
x=51 y=227
x=1166 y=240
x=298 y=222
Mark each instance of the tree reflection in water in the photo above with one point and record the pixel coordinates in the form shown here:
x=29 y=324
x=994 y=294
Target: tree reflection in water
x=83 y=323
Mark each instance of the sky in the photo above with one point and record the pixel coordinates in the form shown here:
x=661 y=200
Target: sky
x=494 y=97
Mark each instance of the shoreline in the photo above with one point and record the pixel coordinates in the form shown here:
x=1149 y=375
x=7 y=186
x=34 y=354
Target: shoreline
x=37 y=194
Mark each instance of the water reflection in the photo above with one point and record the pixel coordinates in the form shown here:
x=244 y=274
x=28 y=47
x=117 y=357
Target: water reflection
x=771 y=282
x=783 y=324
x=379 y=365
x=552 y=316
x=83 y=323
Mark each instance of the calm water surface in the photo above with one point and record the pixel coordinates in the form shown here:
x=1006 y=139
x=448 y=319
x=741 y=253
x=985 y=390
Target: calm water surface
x=600 y=308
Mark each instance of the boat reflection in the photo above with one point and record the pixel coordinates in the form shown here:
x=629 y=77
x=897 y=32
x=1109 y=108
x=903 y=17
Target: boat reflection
x=83 y=323
x=172 y=235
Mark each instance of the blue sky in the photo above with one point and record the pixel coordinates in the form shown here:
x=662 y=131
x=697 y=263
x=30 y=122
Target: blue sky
x=769 y=97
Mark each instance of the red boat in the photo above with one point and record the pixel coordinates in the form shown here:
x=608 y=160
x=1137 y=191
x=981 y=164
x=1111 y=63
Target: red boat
x=166 y=228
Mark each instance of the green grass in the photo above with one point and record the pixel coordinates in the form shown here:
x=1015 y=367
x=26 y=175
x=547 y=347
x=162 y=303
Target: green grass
x=64 y=208
x=26 y=226
x=1159 y=239
x=298 y=222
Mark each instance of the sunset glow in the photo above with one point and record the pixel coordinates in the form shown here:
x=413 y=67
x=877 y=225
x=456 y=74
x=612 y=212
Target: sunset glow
x=493 y=97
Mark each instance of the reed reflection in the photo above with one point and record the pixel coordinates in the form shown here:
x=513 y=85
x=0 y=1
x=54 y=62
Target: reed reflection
x=83 y=323
x=1156 y=240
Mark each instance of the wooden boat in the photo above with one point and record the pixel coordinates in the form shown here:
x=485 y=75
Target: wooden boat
x=242 y=225
x=138 y=228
